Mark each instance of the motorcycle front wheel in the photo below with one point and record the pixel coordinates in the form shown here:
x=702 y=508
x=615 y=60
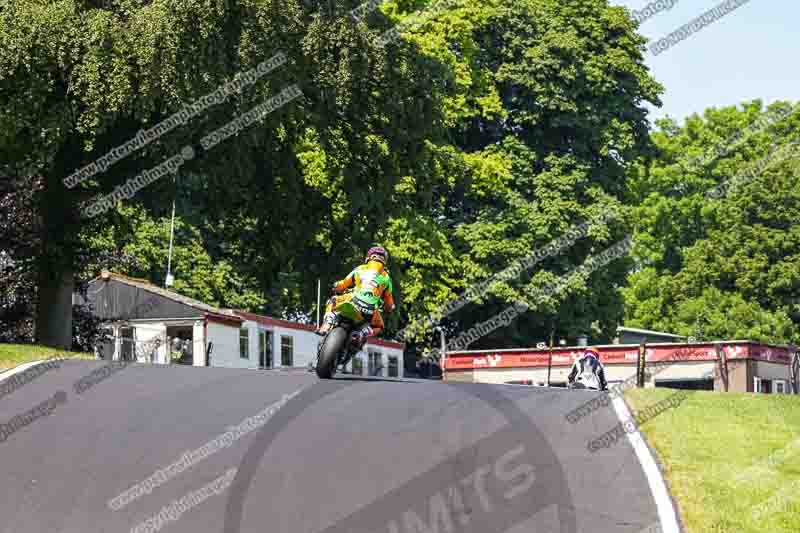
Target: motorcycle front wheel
x=335 y=341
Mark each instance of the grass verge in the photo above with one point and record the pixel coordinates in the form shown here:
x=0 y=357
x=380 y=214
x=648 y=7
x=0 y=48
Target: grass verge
x=12 y=355
x=730 y=459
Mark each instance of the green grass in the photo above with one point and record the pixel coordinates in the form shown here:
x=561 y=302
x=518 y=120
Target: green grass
x=12 y=355
x=730 y=459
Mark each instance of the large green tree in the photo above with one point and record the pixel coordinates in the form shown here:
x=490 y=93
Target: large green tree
x=717 y=211
x=545 y=112
x=481 y=134
x=296 y=193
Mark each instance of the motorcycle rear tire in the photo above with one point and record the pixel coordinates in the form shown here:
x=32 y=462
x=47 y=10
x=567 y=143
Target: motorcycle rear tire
x=335 y=341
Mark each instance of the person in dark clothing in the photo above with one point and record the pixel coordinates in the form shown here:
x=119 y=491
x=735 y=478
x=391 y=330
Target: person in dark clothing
x=588 y=372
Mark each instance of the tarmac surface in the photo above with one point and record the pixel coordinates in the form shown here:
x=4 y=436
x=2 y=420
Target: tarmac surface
x=309 y=456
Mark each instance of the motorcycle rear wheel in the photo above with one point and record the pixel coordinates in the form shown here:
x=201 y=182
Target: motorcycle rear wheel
x=335 y=341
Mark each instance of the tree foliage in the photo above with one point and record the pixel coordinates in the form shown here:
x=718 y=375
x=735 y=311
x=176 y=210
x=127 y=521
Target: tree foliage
x=720 y=267
x=482 y=134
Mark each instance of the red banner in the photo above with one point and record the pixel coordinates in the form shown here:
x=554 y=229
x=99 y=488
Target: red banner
x=615 y=355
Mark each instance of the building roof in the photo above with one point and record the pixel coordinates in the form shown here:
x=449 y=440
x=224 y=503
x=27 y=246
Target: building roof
x=171 y=295
x=269 y=321
x=650 y=332
x=235 y=315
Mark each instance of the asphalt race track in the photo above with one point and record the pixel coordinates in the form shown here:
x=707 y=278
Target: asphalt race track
x=344 y=455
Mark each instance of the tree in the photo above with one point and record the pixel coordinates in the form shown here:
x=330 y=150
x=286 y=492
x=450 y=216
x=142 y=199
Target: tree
x=719 y=239
x=544 y=114
x=86 y=77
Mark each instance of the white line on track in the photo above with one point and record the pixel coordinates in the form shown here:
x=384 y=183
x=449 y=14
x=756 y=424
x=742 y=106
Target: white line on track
x=24 y=366
x=658 y=487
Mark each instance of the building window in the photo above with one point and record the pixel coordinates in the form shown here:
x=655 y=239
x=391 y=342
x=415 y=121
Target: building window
x=762 y=385
x=265 y=349
x=374 y=364
x=358 y=366
x=780 y=387
x=244 y=343
x=287 y=350
x=393 y=368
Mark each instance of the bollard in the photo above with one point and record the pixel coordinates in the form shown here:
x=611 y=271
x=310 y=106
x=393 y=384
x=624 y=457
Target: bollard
x=723 y=365
x=640 y=365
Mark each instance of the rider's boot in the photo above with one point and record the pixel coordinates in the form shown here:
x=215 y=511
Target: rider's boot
x=360 y=336
x=326 y=324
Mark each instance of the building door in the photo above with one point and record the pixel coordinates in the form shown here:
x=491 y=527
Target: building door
x=265 y=349
x=375 y=368
x=127 y=351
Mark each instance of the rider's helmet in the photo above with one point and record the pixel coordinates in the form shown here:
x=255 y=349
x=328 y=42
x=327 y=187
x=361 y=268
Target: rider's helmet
x=378 y=253
x=592 y=351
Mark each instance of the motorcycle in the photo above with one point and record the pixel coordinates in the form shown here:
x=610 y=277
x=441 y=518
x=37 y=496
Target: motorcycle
x=338 y=346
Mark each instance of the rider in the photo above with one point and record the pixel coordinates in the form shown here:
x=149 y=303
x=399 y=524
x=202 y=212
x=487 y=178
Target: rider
x=371 y=285
x=588 y=372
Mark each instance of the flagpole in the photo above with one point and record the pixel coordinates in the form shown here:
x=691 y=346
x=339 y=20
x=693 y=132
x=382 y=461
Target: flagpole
x=550 y=356
x=319 y=288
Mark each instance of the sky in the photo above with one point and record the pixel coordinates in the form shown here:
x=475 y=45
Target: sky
x=751 y=53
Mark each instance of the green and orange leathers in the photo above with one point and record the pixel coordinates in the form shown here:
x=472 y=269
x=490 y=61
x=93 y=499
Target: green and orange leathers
x=371 y=284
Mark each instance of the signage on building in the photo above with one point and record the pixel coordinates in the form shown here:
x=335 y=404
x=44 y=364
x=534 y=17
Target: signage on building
x=617 y=355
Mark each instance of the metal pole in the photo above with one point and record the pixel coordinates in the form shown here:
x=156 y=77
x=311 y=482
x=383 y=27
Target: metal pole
x=171 y=239
x=550 y=356
x=443 y=359
x=640 y=365
x=319 y=288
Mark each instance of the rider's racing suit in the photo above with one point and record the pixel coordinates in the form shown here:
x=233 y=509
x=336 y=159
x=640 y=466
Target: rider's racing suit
x=588 y=372
x=371 y=285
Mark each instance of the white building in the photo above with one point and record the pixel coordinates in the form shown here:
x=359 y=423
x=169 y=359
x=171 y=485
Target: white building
x=266 y=342
x=143 y=320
